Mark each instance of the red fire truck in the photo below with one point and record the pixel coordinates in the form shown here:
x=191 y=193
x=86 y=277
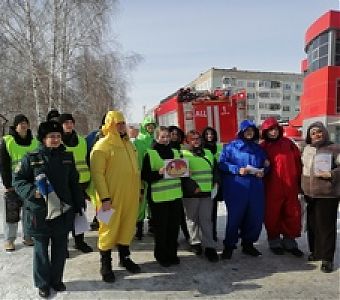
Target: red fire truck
x=197 y=110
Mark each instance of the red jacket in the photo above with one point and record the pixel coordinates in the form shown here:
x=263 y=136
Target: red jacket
x=285 y=163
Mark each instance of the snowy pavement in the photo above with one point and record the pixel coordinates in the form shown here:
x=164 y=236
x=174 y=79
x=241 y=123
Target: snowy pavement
x=243 y=277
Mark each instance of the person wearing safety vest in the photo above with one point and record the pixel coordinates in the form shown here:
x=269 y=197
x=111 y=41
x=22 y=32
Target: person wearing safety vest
x=197 y=191
x=209 y=141
x=177 y=137
x=165 y=195
x=77 y=145
x=14 y=146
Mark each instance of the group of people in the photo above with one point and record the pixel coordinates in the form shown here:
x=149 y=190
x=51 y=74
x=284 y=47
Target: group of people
x=259 y=175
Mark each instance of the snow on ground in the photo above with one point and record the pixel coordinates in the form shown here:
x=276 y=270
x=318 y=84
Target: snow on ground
x=243 y=277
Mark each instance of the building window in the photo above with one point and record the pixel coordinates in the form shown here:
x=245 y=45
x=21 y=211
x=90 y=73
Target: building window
x=297 y=108
x=262 y=105
x=264 y=84
x=275 y=84
x=286 y=97
x=287 y=86
x=285 y=108
x=251 y=84
x=337 y=49
x=251 y=106
x=265 y=95
x=241 y=83
x=275 y=95
x=298 y=87
x=338 y=96
x=317 y=52
x=297 y=98
x=250 y=96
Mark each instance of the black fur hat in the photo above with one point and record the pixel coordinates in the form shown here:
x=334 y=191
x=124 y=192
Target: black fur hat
x=65 y=117
x=18 y=119
x=53 y=114
x=48 y=127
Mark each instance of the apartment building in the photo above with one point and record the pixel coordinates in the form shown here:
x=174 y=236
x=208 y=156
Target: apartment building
x=269 y=94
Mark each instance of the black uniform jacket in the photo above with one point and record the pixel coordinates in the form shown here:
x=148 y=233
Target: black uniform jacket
x=59 y=167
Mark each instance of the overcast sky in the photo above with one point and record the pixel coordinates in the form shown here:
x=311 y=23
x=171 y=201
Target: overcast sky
x=179 y=39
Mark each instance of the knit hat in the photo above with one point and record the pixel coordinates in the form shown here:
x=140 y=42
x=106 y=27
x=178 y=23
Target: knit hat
x=18 y=119
x=65 y=117
x=53 y=114
x=47 y=127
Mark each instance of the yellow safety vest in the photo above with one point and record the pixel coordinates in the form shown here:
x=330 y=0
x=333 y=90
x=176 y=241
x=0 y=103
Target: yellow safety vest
x=201 y=169
x=164 y=189
x=16 y=151
x=79 y=154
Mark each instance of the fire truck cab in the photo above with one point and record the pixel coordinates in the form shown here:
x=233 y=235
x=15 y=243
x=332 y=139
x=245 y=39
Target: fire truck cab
x=196 y=110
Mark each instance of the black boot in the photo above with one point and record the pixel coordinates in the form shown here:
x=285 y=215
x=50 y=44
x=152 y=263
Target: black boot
x=326 y=266
x=125 y=260
x=227 y=253
x=249 y=249
x=139 y=230
x=106 y=266
x=80 y=244
x=211 y=254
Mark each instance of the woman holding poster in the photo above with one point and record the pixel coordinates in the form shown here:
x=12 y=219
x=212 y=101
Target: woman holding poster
x=321 y=187
x=162 y=169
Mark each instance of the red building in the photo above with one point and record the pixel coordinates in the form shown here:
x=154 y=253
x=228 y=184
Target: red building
x=320 y=99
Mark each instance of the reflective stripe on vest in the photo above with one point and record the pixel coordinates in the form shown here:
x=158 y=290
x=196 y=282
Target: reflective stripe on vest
x=17 y=152
x=201 y=170
x=164 y=189
x=79 y=154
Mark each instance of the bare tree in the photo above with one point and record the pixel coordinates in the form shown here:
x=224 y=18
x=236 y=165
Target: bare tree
x=58 y=54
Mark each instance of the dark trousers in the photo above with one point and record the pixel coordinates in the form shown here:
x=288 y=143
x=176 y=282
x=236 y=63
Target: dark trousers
x=166 y=220
x=48 y=270
x=321 y=226
x=214 y=218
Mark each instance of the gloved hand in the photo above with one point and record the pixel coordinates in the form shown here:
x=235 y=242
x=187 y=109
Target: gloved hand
x=43 y=185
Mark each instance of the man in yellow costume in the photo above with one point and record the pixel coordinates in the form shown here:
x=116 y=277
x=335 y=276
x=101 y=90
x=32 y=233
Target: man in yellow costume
x=116 y=177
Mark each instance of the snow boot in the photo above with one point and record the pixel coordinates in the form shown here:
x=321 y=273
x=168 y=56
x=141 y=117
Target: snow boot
x=125 y=260
x=106 y=266
x=80 y=244
x=211 y=254
x=249 y=249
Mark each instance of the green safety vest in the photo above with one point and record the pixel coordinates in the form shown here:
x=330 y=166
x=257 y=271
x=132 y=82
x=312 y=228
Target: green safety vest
x=201 y=169
x=164 y=189
x=79 y=154
x=17 y=152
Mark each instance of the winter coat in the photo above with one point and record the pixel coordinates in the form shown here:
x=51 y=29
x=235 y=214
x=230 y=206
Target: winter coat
x=59 y=167
x=116 y=176
x=5 y=159
x=316 y=187
x=235 y=155
x=285 y=163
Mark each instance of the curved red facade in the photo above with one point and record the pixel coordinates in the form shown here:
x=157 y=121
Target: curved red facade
x=320 y=100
